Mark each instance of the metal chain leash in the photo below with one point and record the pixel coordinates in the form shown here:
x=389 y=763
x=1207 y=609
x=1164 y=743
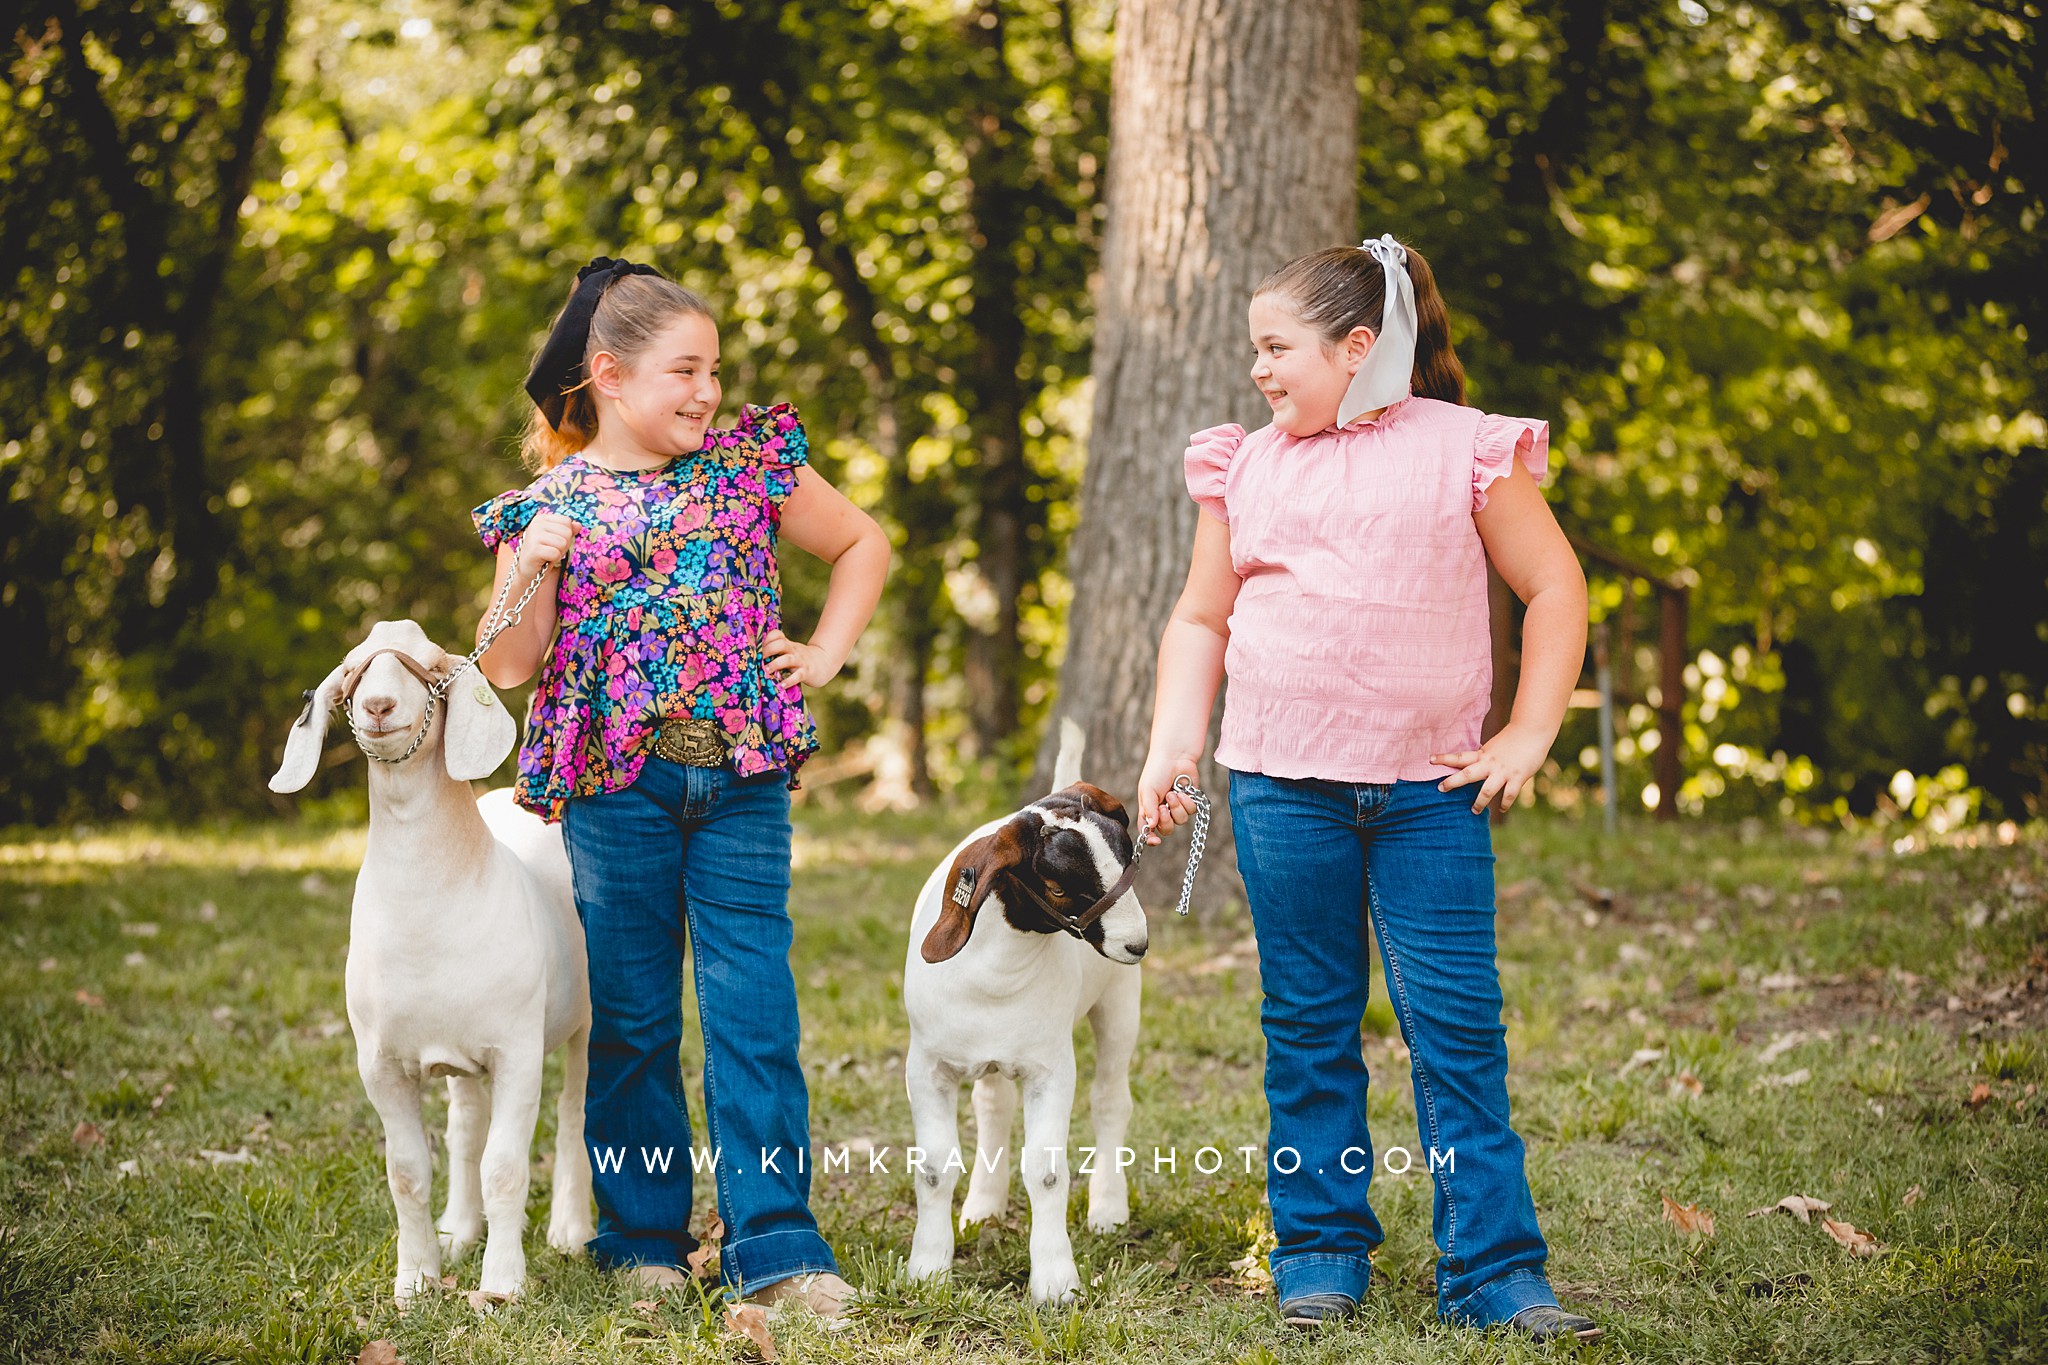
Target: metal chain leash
x=497 y=625
x=1198 y=838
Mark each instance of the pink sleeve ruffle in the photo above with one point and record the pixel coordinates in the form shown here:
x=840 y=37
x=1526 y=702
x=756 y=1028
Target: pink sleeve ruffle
x=1499 y=443
x=1208 y=464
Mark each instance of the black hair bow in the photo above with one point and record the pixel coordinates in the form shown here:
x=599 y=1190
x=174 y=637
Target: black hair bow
x=557 y=368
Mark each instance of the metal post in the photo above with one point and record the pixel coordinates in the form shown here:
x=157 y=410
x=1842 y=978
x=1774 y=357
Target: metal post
x=1671 y=700
x=1603 y=674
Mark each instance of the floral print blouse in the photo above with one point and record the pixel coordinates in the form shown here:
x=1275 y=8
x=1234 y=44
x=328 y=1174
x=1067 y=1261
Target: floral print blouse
x=670 y=586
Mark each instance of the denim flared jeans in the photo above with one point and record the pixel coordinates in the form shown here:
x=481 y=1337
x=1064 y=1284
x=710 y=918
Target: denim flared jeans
x=1326 y=865
x=694 y=862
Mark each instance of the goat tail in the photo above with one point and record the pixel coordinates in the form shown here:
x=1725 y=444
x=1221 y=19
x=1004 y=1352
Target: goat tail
x=1066 y=769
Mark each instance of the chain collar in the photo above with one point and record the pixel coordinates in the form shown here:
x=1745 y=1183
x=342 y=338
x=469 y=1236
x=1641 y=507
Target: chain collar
x=1198 y=840
x=437 y=688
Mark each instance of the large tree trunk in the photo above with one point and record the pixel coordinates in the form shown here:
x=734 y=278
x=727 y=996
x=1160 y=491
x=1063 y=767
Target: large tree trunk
x=998 y=164
x=1233 y=148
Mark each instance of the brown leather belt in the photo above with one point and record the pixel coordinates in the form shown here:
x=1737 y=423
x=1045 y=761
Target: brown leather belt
x=693 y=742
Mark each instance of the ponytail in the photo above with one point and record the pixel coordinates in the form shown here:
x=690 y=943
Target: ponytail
x=542 y=447
x=1336 y=290
x=1438 y=372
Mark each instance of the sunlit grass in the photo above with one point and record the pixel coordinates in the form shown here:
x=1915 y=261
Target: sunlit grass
x=1720 y=1018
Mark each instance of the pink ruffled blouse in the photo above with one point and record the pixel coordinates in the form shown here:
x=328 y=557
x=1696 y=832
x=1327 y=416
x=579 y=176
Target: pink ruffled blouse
x=1359 y=644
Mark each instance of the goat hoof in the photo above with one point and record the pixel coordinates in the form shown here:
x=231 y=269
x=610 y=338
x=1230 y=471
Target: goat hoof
x=928 y=1267
x=570 y=1241
x=1108 y=1220
x=1060 y=1284
x=985 y=1211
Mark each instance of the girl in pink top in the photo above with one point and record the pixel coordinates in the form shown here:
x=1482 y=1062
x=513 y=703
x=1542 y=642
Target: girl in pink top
x=1339 y=579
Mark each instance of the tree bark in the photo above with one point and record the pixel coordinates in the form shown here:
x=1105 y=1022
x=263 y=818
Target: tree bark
x=1233 y=148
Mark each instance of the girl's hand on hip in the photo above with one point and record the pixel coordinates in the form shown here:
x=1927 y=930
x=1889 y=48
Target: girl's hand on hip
x=1158 y=803
x=1502 y=766
x=546 y=541
x=792 y=662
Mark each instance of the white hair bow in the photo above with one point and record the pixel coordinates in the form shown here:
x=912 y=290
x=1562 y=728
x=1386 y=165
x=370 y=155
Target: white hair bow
x=1388 y=373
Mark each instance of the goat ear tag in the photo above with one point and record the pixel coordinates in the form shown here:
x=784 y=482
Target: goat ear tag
x=963 y=889
x=484 y=696
x=306 y=711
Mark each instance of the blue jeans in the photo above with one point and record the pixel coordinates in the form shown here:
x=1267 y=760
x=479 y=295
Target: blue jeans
x=694 y=858
x=1324 y=863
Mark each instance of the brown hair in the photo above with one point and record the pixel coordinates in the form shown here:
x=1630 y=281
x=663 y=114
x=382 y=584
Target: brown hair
x=1336 y=290
x=633 y=310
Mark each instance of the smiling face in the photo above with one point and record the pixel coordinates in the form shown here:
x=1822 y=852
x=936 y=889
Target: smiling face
x=1302 y=376
x=660 y=405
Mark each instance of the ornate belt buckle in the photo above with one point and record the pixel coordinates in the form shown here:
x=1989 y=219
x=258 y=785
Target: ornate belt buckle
x=694 y=742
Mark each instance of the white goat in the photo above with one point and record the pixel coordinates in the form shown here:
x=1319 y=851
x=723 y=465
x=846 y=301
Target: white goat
x=465 y=958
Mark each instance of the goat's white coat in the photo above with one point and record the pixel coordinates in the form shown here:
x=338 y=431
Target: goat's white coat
x=1002 y=1012
x=465 y=960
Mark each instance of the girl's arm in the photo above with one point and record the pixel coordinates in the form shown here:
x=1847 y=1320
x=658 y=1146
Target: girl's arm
x=1190 y=671
x=517 y=654
x=819 y=519
x=1523 y=541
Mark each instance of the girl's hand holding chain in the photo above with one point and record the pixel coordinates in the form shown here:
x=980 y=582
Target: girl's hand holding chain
x=546 y=541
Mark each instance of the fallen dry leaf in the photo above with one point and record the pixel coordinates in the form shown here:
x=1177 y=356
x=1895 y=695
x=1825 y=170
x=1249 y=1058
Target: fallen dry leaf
x=750 y=1320
x=382 y=1351
x=484 y=1302
x=241 y=1156
x=1642 y=1056
x=1790 y=1078
x=1980 y=1093
x=1689 y=1083
x=646 y=1308
x=1858 y=1242
x=88 y=999
x=1690 y=1218
x=1799 y=1206
x=447 y=1281
x=716 y=1232
x=703 y=1262
x=87 y=1136
x=1913 y=1196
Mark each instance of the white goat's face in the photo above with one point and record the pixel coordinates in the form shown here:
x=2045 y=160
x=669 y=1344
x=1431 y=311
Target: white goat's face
x=387 y=705
x=390 y=703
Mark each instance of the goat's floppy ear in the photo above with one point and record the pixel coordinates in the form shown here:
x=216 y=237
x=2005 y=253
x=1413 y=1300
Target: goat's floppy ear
x=479 y=731
x=1096 y=799
x=308 y=735
x=970 y=879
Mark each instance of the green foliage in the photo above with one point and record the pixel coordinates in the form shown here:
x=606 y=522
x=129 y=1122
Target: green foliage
x=272 y=276
x=1774 y=273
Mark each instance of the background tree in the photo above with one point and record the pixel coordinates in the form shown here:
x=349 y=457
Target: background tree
x=1233 y=147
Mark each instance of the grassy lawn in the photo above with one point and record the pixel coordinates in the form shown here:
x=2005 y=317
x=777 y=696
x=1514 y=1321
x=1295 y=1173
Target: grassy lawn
x=1719 y=1016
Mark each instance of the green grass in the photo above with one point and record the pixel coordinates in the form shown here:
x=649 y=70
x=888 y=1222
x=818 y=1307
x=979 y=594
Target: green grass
x=1739 y=957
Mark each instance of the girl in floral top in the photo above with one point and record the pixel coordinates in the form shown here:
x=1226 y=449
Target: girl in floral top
x=665 y=732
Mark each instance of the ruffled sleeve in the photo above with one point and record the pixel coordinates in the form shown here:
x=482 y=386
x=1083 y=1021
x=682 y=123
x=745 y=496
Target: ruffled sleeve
x=778 y=433
x=1499 y=443
x=504 y=517
x=1208 y=466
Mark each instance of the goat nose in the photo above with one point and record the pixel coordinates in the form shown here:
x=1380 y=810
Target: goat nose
x=1137 y=950
x=379 y=707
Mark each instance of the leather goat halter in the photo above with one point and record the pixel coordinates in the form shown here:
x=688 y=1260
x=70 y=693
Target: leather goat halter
x=437 y=688
x=1077 y=925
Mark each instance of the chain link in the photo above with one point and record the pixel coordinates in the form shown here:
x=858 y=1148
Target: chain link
x=496 y=625
x=1198 y=838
